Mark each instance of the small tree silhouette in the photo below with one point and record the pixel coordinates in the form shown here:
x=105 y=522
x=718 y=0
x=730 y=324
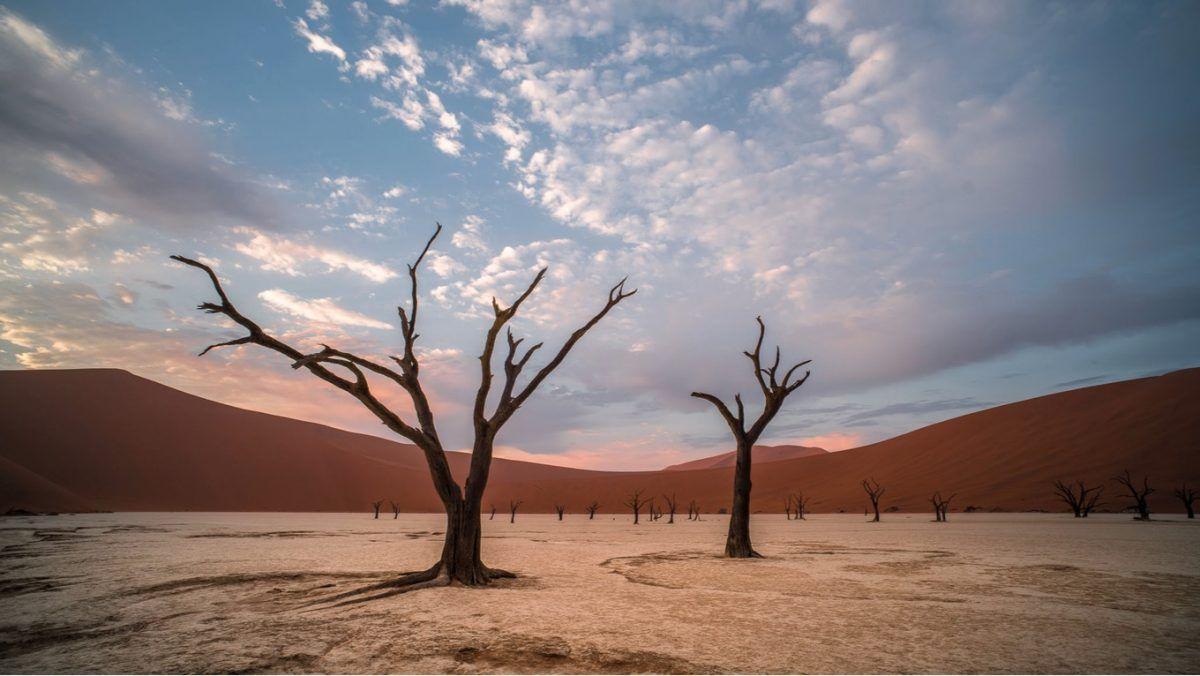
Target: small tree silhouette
x=395 y=509
x=377 y=504
x=693 y=511
x=1138 y=496
x=1188 y=497
x=636 y=502
x=799 y=505
x=591 y=509
x=874 y=491
x=671 y=505
x=512 y=510
x=1081 y=499
x=493 y=514
x=559 y=509
x=940 y=505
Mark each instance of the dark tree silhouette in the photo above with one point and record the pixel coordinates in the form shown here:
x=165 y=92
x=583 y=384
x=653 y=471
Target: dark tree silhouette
x=1188 y=497
x=799 y=505
x=493 y=514
x=775 y=391
x=693 y=511
x=1139 y=497
x=940 y=505
x=874 y=491
x=560 y=509
x=460 y=561
x=1081 y=499
x=395 y=509
x=377 y=504
x=512 y=510
x=671 y=506
x=653 y=510
x=636 y=502
x=787 y=507
x=591 y=509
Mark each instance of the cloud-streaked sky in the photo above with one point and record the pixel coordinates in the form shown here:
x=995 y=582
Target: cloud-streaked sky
x=945 y=205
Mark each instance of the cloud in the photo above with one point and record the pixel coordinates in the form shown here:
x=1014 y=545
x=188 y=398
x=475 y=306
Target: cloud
x=290 y=257
x=317 y=43
x=320 y=310
x=470 y=234
x=109 y=140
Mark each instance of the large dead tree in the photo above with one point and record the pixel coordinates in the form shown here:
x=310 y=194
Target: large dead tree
x=774 y=390
x=874 y=492
x=395 y=509
x=559 y=509
x=591 y=509
x=1079 y=497
x=460 y=561
x=940 y=505
x=671 y=507
x=512 y=510
x=1188 y=497
x=636 y=502
x=799 y=505
x=1139 y=496
x=377 y=505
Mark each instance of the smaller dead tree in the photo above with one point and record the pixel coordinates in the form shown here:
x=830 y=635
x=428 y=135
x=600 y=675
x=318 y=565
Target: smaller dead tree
x=395 y=509
x=559 y=509
x=940 y=506
x=787 y=507
x=1188 y=497
x=1081 y=499
x=799 y=505
x=874 y=492
x=653 y=510
x=671 y=506
x=636 y=502
x=512 y=510
x=493 y=515
x=377 y=504
x=1139 y=496
x=693 y=511
x=591 y=509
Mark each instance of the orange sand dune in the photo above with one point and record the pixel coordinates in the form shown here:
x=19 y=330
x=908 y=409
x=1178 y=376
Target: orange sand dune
x=762 y=453
x=106 y=439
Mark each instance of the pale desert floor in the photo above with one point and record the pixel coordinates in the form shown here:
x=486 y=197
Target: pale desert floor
x=232 y=592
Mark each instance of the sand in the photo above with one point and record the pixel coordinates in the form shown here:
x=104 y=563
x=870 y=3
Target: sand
x=234 y=592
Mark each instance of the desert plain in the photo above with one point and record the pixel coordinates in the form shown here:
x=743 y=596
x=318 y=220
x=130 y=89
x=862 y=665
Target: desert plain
x=246 y=592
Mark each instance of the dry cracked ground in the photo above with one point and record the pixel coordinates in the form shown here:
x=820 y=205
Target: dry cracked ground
x=244 y=593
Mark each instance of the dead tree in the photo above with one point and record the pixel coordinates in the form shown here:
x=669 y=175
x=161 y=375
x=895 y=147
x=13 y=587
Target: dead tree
x=636 y=502
x=512 y=510
x=940 y=505
x=1188 y=497
x=653 y=510
x=1081 y=499
x=377 y=504
x=671 y=506
x=799 y=505
x=560 y=509
x=460 y=561
x=874 y=491
x=395 y=510
x=1139 y=497
x=591 y=509
x=693 y=511
x=787 y=507
x=493 y=515
x=774 y=391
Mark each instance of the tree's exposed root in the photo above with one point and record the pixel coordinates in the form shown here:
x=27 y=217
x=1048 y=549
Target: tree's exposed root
x=751 y=555
x=423 y=579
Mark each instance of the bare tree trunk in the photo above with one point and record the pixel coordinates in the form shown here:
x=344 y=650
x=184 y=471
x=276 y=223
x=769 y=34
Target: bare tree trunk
x=377 y=504
x=737 y=542
x=635 y=503
x=560 y=509
x=1188 y=497
x=493 y=514
x=671 y=506
x=874 y=492
x=395 y=510
x=512 y=510
x=591 y=510
x=1139 y=496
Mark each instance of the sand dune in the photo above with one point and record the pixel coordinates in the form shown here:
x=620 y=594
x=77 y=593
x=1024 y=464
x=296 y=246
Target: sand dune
x=762 y=453
x=106 y=439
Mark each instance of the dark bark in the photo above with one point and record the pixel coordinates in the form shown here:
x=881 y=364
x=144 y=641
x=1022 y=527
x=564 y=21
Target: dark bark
x=1188 y=497
x=671 y=506
x=591 y=509
x=460 y=562
x=1081 y=499
x=774 y=390
x=377 y=504
x=493 y=514
x=799 y=505
x=395 y=510
x=1139 y=496
x=874 y=492
x=636 y=502
x=940 y=506
x=559 y=509
x=512 y=510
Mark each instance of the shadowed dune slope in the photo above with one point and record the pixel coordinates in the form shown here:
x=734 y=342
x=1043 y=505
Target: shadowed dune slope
x=762 y=453
x=106 y=439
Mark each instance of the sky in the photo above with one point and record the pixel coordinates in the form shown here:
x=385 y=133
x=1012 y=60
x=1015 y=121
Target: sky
x=946 y=206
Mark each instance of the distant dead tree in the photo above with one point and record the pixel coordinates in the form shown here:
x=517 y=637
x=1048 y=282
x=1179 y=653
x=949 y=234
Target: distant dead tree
x=787 y=507
x=940 y=505
x=377 y=504
x=874 y=491
x=493 y=515
x=560 y=509
x=1081 y=499
x=1188 y=497
x=395 y=510
x=653 y=510
x=799 y=505
x=693 y=511
x=591 y=509
x=1139 y=497
x=460 y=561
x=775 y=391
x=636 y=502
x=671 y=506
x=512 y=510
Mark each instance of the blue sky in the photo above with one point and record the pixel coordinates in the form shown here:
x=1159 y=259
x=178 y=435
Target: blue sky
x=945 y=205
